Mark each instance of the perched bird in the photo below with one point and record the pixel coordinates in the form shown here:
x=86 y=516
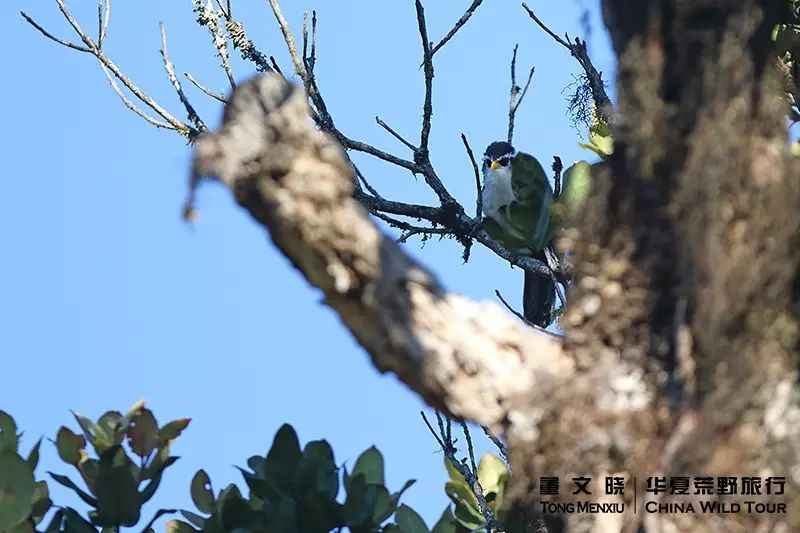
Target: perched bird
x=518 y=204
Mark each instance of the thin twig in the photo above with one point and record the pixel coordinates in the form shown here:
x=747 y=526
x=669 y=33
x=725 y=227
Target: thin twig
x=459 y=23
x=542 y=25
x=216 y=96
x=479 y=192
x=395 y=134
x=427 y=62
x=102 y=22
x=52 y=37
x=130 y=105
x=512 y=310
x=170 y=68
x=501 y=446
x=581 y=54
x=127 y=82
x=409 y=230
x=369 y=187
x=470 y=449
x=517 y=94
x=299 y=68
x=445 y=440
x=275 y=67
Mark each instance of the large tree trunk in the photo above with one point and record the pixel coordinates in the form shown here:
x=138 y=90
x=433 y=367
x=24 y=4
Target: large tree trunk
x=681 y=347
x=684 y=318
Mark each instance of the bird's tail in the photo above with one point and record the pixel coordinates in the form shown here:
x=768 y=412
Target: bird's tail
x=538 y=297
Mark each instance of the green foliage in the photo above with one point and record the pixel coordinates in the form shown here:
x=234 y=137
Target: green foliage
x=121 y=459
x=23 y=500
x=297 y=490
x=115 y=487
x=492 y=476
x=601 y=138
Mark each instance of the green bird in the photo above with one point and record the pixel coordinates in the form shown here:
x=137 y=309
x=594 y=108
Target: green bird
x=522 y=214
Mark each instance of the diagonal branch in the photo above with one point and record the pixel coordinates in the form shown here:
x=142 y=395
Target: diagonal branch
x=459 y=23
x=470 y=360
x=92 y=48
x=581 y=54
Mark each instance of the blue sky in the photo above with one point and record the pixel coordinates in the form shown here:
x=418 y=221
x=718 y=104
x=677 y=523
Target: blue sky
x=107 y=296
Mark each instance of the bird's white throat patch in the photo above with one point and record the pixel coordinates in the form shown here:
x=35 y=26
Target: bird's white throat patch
x=497 y=190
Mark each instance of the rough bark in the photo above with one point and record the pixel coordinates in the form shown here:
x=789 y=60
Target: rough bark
x=681 y=351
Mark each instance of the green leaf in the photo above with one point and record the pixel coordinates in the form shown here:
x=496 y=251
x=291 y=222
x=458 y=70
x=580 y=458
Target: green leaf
x=194 y=518
x=110 y=423
x=202 y=494
x=359 y=506
x=173 y=429
x=409 y=521
x=150 y=489
x=143 y=433
x=387 y=504
x=24 y=527
x=234 y=511
x=70 y=446
x=318 y=512
x=467 y=511
x=33 y=456
x=574 y=194
x=16 y=489
x=55 y=523
x=67 y=482
x=90 y=430
x=132 y=413
x=316 y=470
x=117 y=495
x=492 y=473
x=40 y=502
x=602 y=138
x=75 y=523
x=453 y=472
x=8 y=433
x=88 y=469
x=447 y=522
x=283 y=456
x=370 y=465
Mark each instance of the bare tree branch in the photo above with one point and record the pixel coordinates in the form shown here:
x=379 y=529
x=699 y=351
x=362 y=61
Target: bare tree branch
x=478 y=194
x=216 y=96
x=459 y=23
x=470 y=475
x=298 y=184
x=579 y=52
x=52 y=37
x=210 y=19
x=170 y=68
x=517 y=94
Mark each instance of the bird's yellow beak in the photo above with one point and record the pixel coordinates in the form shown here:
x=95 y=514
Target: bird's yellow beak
x=494 y=165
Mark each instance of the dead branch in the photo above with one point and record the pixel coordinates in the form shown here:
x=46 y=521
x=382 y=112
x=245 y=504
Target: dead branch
x=595 y=79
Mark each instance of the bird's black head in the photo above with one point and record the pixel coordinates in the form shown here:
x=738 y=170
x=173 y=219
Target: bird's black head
x=498 y=154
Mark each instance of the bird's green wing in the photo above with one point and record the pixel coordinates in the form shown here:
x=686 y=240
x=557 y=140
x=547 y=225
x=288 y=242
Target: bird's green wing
x=531 y=213
x=528 y=180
